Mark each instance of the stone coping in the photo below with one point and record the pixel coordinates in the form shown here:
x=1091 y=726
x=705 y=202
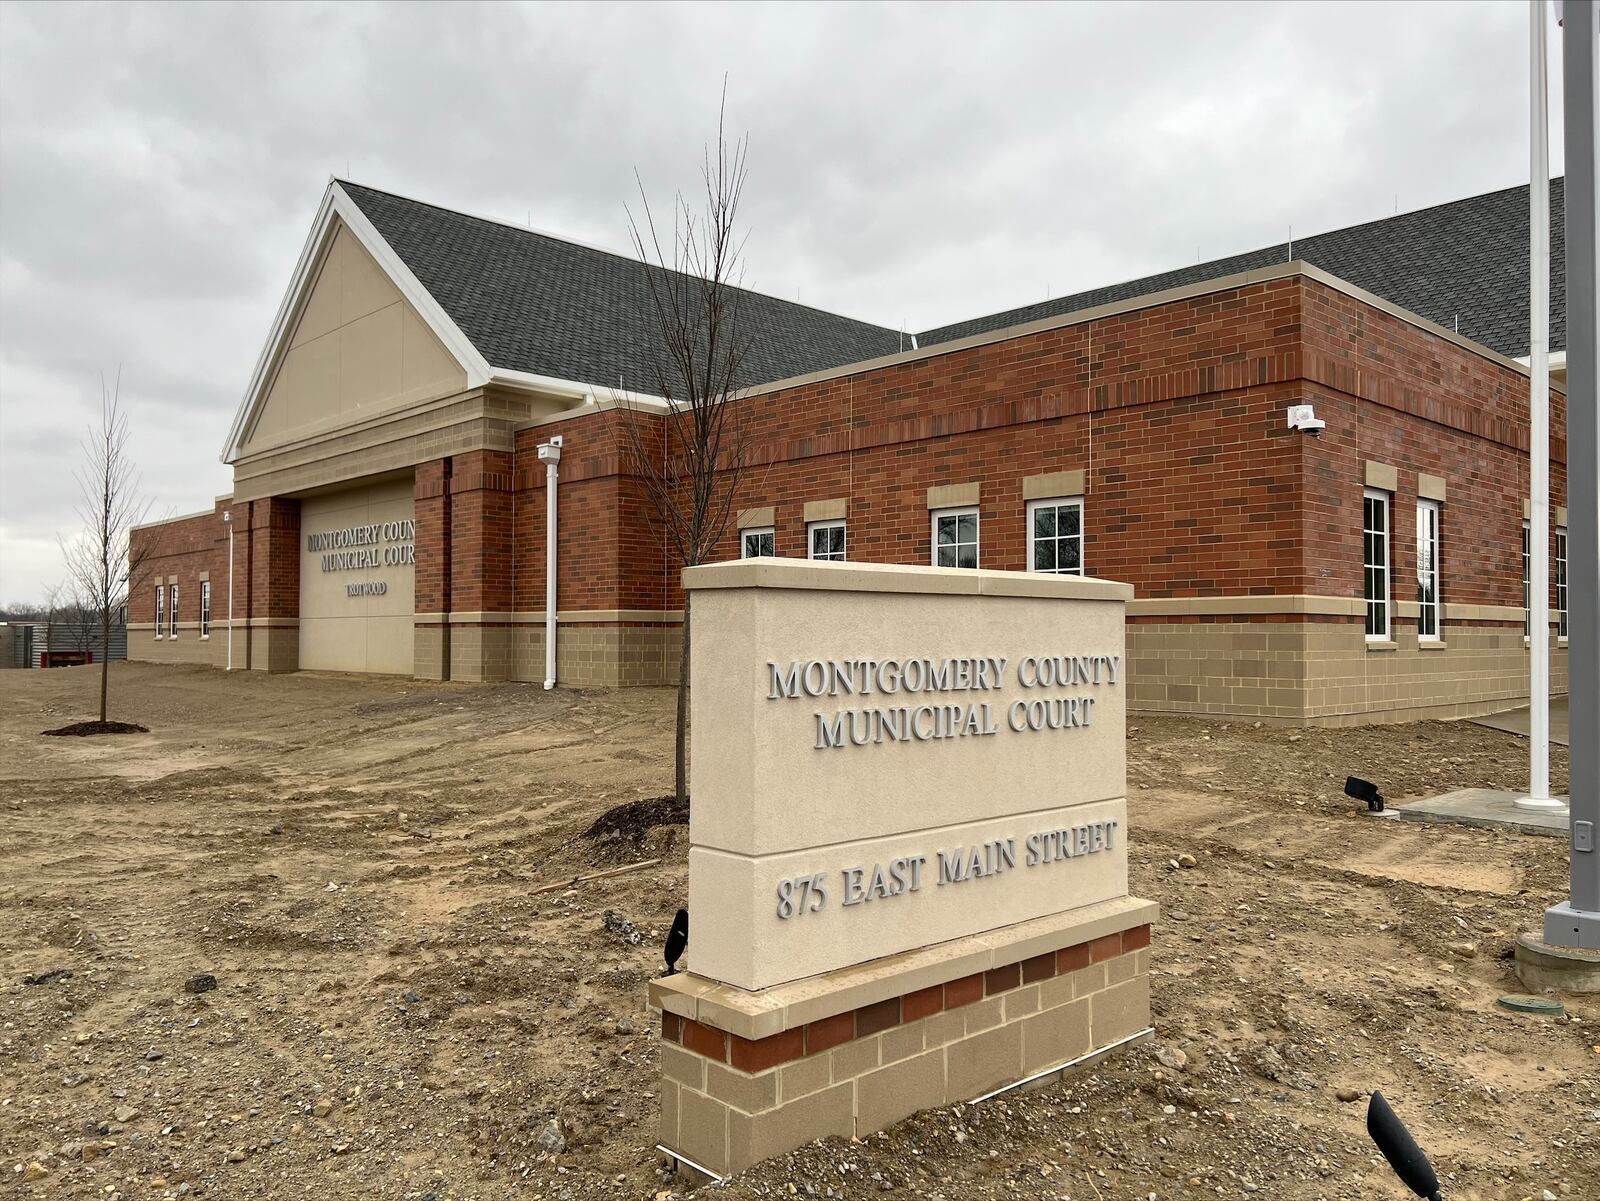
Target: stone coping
x=1154 y=606
x=771 y=1011
x=759 y=1055
x=563 y=616
x=811 y=575
x=1303 y=603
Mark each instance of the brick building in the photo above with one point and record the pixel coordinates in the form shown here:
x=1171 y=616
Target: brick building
x=388 y=512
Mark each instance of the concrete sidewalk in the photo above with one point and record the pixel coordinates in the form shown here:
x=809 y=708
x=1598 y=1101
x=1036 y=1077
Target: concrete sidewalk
x=1484 y=807
x=1515 y=721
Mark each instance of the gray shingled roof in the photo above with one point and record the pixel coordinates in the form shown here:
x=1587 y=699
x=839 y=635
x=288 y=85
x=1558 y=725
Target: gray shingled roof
x=532 y=302
x=1466 y=260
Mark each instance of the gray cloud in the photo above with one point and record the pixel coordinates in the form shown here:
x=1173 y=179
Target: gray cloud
x=160 y=165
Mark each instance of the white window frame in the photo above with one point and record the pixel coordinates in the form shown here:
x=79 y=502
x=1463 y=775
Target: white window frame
x=172 y=611
x=957 y=513
x=1559 y=567
x=205 y=608
x=161 y=608
x=1430 y=521
x=1056 y=502
x=1386 y=601
x=813 y=528
x=757 y=531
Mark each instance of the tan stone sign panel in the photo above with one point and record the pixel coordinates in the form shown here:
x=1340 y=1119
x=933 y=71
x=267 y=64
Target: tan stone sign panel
x=357 y=579
x=891 y=757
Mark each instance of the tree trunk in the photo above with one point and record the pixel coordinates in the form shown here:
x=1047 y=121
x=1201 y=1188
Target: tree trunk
x=681 y=749
x=105 y=663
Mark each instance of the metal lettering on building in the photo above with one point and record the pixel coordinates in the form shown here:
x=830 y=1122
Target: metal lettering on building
x=358 y=547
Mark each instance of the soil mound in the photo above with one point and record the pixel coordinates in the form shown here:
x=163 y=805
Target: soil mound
x=633 y=820
x=84 y=729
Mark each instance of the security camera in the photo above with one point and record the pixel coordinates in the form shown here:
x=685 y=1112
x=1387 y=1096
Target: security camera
x=1304 y=417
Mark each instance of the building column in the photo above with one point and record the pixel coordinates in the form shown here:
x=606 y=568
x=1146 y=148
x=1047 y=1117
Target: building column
x=432 y=579
x=480 y=555
x=267 y=565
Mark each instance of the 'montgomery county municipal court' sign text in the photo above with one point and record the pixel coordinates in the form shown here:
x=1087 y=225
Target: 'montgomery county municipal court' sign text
x=922 y=722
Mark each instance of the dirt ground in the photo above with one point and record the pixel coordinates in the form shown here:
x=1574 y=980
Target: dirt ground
x=397 y=1014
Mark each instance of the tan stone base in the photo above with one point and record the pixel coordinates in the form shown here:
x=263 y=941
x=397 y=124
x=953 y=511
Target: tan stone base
x=430 y=651
x=1326 y=673
x=593 y=654
x=271 y=644
x=187 y=647
x=853 y=1065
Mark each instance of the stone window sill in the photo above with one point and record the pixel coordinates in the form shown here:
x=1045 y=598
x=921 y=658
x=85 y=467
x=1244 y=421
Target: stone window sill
x=1431 y=644
x=1380 y=645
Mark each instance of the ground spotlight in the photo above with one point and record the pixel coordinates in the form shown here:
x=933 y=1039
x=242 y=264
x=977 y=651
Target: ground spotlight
x=1400 y=1149
x=1364 y=790
x=677 y=941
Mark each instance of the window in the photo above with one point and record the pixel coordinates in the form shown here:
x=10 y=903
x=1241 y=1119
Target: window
x=1527 y=582
x=1428 y=570
x=1375 y=539
x=1561 y=581
x=172 y=612
x=955 y=538
x=161 y=609
x=205 y=608
x=1055 y=536
x=826 y=540
x=758 y=543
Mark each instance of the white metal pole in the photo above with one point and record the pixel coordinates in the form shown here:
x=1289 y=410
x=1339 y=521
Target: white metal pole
x=1539 y=416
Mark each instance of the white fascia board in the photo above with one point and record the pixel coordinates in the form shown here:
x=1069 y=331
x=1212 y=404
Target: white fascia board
x=1557 y=360
x=588 y=394
x=337 y=203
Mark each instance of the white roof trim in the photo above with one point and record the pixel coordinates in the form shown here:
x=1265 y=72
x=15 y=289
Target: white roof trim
x=337 y=203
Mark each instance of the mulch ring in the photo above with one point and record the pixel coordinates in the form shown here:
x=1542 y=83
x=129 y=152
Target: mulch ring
x=84 y=729
x=633 y=820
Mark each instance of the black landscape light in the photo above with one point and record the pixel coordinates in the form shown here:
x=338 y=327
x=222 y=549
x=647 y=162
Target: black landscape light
x=1400 y=1149
x=677 y=941
x=1364 y=790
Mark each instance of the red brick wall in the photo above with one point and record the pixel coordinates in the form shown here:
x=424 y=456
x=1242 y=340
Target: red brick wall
x=612 y=553
x=182 y=548
x=1196 y=487
x=481 y=533
x=271 y=556
x=1174 y=412
x=432 y=515
x=1395 y=394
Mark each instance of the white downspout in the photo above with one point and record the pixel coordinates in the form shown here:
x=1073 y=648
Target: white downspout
x=227 y=518
x=550 y=456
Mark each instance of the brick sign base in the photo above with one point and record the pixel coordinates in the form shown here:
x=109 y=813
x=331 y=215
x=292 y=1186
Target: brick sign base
x=746 y=1076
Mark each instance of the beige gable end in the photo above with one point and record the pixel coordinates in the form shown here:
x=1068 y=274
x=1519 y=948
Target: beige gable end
x=357 y=350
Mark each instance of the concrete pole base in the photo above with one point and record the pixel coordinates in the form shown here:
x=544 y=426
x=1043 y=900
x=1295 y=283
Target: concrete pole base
x=1541 y=804
x=1545 y=967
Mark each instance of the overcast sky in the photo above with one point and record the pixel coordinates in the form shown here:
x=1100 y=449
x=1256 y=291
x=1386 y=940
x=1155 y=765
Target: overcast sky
x=160 y=165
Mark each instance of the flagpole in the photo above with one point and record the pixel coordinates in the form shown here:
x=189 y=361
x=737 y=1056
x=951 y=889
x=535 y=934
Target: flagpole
x=1575 y=923
x=1539 y=415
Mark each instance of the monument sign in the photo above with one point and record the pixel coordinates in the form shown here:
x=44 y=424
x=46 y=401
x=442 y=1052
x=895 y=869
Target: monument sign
x=908 y=873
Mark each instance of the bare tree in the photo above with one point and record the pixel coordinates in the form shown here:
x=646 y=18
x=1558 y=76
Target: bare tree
x=693 y=455
x=101 y=564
